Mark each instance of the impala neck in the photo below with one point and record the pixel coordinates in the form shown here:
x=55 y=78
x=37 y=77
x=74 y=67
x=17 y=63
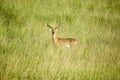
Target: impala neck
x=54 y=38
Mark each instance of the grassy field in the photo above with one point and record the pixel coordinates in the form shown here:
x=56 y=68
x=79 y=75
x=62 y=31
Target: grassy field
x=27 y=51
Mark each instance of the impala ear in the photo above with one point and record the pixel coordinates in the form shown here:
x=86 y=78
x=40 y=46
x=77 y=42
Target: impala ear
x=50 y=29
x=56 y=29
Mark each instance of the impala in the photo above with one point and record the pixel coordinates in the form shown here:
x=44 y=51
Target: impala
x=66 y=42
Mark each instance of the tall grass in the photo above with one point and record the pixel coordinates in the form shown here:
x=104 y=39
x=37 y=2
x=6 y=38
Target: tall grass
x=28 y=53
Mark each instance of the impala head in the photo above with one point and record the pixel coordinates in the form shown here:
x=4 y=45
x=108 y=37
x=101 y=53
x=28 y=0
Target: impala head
x=53 y=30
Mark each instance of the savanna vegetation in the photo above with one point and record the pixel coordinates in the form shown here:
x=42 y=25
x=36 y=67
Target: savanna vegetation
x=27 y=51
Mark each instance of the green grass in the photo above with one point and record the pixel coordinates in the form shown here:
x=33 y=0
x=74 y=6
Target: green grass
x=27 y=51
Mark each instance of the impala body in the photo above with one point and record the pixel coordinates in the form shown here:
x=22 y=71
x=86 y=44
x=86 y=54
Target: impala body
x=66 y=42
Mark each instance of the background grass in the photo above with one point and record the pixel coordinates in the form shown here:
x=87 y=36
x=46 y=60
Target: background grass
x=27 y=51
